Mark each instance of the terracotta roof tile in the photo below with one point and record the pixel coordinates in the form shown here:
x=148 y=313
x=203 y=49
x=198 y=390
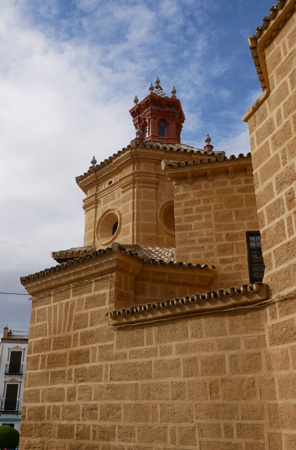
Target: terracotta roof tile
x=274 y=12
x=156 y=255
x=75 y=252
x=219 y=158
x=149 y=255
x=178 y=148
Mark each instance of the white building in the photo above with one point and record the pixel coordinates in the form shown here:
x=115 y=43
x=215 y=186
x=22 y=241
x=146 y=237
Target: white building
x=13 y=354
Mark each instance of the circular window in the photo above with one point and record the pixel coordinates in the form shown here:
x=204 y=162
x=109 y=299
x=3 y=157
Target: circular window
x=167 y=218
x=109 y=226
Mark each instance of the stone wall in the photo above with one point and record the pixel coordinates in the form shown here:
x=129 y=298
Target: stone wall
x=218 y=379
x=281 y=380
x=272 y=126
x=214 y=208
x=131 y=188
x=208 y=382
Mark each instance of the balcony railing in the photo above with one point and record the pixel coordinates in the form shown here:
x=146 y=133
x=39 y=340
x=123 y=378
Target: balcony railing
x=9 y=406
x=14 y=369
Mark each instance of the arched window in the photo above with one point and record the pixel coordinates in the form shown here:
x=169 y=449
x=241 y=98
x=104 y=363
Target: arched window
x=162 y=129
x=145 y=132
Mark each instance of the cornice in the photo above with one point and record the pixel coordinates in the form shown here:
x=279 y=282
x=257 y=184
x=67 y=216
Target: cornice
x=150 y=151
x=278 y=15
x=232 y=299
x=125 y=259
x=154 y=101
x=208 y=167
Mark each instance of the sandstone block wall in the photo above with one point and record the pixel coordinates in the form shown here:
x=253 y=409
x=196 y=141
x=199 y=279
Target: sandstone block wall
x=207 y=382
x=273 y=142
x=280 y=382
x=133 y=186
x=133 y=189
x=212 y=218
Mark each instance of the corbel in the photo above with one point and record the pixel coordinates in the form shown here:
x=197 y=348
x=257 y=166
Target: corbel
x=189 y=178
x=249 y=171
x=230 y=172
x=210 y=175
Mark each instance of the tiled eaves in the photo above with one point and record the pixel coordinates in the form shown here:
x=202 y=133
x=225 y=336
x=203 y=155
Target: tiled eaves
x=154 y=145
x=133 y=251
x=75 y=252
x=65 y=265
x=247 y=295
x=204 y=161
x=207 y=167
x=156 y=256
x=165 y=254
x=272 y=24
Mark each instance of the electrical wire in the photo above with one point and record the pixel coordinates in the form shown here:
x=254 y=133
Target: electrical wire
x=12 y=293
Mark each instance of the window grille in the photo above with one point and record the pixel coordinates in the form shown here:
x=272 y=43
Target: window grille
x=255 y=258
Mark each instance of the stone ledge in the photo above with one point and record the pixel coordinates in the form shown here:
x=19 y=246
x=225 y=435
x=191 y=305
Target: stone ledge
x=246 y=295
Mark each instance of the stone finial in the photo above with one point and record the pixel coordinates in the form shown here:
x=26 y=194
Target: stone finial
x=208 y=139
x=136 y=100
x=157 y=82
x=174 y=91
x=208 y=148
x=93 y=161
x=151 y=88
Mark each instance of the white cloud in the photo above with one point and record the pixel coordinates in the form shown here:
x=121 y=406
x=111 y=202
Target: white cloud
x=235 y=144
x=88 y=5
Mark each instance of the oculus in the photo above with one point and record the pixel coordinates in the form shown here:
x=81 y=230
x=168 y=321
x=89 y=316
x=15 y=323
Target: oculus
x=109 y=226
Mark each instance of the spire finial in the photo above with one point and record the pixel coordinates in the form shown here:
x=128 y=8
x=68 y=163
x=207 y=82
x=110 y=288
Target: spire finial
x=174 y=91
x=157 y=82
x=208 y=139
x=151 y=88
x=93 y=161
x=136 y=100
x=208 y=148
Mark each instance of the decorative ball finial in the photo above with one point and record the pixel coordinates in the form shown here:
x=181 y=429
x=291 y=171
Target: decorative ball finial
x=208 y=139
x=136 y=100
x=93 y=161
x=174 y=91
x=157 y=82
x=138 y=133
x=151 y=88
x=208 y=148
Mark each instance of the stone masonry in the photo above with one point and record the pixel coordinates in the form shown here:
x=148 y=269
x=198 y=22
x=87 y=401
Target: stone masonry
x=272 y=126
x=151 y=337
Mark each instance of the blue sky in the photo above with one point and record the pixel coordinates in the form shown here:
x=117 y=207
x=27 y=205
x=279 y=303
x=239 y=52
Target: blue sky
x=69 y=70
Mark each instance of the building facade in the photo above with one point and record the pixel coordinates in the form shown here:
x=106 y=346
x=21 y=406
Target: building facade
x=13 y=353
x=160 y=333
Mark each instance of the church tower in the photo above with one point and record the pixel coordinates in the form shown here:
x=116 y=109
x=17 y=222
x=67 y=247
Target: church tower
x=129 y=199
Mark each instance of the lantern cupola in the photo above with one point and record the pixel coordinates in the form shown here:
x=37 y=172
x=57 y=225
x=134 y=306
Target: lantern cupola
x=158 y=117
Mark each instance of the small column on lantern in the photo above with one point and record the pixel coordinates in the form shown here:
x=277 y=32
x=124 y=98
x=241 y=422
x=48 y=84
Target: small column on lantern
x=138 y=135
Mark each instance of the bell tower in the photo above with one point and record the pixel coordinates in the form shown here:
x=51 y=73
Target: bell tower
x=129 y=198
x=158 y=117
